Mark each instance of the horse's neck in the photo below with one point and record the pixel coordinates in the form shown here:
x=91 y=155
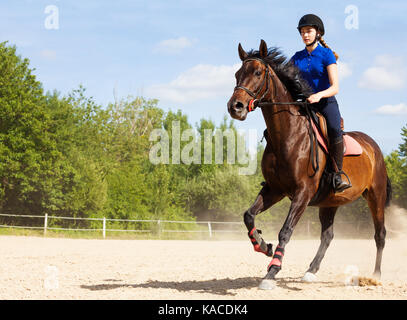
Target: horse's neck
x=284 y=122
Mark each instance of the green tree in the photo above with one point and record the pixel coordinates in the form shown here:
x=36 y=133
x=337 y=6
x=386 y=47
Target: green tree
x=397 y=171
x=29 y=158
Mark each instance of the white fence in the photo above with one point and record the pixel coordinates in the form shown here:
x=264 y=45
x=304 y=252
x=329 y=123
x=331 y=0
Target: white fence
x=208 y=225
x=158 y=227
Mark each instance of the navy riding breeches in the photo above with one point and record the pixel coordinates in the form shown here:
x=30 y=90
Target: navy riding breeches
x=329 y=108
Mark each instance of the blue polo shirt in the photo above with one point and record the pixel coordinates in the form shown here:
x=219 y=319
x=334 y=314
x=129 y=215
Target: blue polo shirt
x=313 y=66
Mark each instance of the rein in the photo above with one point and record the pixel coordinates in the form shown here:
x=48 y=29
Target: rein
x=254 y=103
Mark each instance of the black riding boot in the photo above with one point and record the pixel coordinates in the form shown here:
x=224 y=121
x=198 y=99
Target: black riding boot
x=336 y=150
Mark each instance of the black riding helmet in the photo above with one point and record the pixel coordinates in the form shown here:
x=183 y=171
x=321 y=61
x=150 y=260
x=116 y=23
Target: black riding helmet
x=311 y=20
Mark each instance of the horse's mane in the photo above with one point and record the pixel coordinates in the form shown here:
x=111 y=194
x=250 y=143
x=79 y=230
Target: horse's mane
x=287 y=72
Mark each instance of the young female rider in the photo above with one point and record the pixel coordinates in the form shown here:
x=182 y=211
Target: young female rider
x=318 y=66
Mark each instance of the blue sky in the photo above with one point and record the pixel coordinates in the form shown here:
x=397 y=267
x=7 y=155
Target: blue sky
x=184 y=53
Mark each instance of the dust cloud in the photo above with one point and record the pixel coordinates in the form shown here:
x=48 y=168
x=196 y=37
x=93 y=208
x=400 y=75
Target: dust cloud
x=396 y=222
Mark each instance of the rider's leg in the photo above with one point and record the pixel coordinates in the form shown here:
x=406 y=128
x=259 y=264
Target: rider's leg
x=336 y=150
x=330 y=111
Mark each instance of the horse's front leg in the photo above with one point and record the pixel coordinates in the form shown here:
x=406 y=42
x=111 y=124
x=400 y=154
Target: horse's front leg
x=267 y=196
x=297 y=208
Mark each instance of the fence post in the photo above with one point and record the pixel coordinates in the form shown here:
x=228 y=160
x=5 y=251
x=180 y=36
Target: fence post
x=45 y=224
x=308 y=229
x=210 y=229
x=159 y=227
x=104 y=227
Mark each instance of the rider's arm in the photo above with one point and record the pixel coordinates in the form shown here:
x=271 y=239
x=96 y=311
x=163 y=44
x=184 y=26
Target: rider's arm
x=333 y=80
x=333 y=89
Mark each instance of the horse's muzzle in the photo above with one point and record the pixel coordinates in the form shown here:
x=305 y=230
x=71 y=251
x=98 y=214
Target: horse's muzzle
x=237 y=109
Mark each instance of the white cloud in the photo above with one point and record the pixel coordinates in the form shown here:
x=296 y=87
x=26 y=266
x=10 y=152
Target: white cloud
x=344 y=70
x=173 y=45
x=205 y=81
x=202 y=81
x=387 y=73
x=397 y=109
x=48 y=54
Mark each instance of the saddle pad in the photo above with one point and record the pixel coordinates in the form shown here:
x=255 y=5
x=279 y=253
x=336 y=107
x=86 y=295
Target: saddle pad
x=351 y=146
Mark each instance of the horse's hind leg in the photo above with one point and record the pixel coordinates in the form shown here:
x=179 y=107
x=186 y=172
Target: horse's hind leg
x=326 y=216
x=376 y=201
x=265 y=199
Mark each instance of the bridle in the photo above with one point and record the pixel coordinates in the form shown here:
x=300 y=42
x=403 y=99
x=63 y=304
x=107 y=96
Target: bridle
x=254 y=103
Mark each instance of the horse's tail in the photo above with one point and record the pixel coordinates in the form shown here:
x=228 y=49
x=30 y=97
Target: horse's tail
x=389 y=192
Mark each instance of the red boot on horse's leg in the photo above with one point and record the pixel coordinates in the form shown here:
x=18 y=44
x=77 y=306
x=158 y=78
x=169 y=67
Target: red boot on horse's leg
x=277 y=259
x=259 y=244
x=268 y=282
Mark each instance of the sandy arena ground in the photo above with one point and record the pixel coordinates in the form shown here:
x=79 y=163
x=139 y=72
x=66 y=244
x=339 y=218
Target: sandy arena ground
x=50 y=268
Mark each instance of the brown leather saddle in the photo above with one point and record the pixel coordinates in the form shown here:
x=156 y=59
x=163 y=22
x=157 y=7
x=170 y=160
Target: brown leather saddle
x=324 y=127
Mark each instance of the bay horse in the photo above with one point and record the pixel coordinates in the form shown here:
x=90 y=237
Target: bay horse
x=266 y=79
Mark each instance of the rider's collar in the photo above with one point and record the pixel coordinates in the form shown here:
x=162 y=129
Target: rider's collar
x=313 y=52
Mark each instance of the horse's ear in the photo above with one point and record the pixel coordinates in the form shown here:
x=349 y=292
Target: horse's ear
x=242 y=53
x=263 y=49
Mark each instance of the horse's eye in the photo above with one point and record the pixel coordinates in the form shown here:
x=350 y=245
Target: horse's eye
x=258 y=73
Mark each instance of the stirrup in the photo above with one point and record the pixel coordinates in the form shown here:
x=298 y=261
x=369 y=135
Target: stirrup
x=344 y=187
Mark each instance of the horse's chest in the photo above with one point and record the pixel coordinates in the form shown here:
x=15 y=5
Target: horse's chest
x=275 y=168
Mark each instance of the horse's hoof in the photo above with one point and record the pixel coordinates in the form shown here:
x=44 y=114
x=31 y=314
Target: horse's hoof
x=267 y=284
x=309 y=277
